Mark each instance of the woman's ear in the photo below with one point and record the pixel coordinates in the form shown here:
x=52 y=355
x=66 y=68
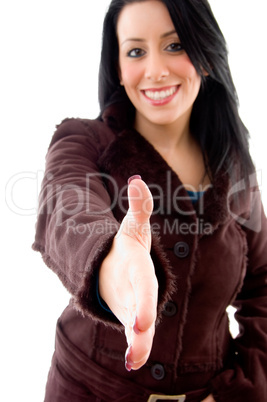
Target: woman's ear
x=205 y=73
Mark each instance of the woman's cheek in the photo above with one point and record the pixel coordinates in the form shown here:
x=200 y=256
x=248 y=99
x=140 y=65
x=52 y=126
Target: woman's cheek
x=185 y=69
x=131 y=74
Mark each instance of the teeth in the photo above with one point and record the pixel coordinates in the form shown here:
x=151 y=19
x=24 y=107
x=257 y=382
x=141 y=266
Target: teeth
x=160 y=95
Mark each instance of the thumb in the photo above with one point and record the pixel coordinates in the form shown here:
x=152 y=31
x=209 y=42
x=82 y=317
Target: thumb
x=136 y=222
x=140 y=200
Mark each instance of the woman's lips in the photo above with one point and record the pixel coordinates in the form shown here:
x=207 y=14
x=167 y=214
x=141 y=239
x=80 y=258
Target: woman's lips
x=160 y=96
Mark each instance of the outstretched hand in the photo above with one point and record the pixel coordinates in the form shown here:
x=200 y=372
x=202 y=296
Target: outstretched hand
x=209 y=399
x=127 y=280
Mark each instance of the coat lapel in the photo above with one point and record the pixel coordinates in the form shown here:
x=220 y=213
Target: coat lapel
x=130 y=153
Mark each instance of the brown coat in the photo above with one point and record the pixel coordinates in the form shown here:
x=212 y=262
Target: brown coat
x=207 y=256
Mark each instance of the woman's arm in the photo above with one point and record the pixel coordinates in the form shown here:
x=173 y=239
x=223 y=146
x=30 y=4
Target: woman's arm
x=75 y=226
x=247 y=380
x=75 y=234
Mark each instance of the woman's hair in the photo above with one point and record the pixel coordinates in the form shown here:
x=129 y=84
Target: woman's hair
x=215 y=121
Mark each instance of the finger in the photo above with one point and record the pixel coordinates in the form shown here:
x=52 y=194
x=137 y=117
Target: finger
x=209 y=399
x=136 y=222
x=145 y=287
x=140 y=200
x=140 y=349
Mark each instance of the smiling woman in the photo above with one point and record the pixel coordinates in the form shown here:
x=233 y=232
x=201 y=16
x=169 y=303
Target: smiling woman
x=123 y=204
x=162 y=85
x=155 y=70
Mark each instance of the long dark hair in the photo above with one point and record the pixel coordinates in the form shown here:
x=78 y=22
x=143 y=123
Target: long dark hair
x=215 y=121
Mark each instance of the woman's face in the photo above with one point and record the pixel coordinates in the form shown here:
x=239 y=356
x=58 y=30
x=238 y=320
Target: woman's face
x=157 y=74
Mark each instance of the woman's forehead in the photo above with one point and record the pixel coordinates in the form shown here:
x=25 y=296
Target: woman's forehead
x=138 y=19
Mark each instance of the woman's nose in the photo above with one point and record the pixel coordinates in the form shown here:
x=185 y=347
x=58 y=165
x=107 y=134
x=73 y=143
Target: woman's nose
x=156 y=67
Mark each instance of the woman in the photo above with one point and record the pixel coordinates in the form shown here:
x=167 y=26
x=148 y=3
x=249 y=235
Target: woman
x=162 y=262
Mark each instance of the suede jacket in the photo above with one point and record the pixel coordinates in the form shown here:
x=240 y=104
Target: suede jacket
x=207 y=254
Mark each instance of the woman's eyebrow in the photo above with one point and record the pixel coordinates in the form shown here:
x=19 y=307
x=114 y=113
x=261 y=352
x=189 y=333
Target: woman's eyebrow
x=133 y=40
x=166 y=34
x=169 y=33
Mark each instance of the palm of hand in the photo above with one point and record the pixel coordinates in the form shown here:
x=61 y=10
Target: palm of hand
x=127 y=279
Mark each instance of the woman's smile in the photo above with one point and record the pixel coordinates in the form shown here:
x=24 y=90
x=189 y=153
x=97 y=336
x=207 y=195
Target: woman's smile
x=160 y=96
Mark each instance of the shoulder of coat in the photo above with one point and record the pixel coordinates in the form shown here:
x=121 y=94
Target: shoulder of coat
x=95 y=129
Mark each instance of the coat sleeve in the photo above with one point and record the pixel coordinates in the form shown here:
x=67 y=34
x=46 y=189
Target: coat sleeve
x=247 y=380
x=75 y=225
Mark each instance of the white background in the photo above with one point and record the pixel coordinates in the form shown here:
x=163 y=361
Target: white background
x=49 y=65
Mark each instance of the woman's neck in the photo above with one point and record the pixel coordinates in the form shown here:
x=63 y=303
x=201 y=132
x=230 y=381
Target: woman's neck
x=175 y=143
x=164 y=138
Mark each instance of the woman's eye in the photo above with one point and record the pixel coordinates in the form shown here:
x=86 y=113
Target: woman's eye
x=136 y=52
x=175 y=47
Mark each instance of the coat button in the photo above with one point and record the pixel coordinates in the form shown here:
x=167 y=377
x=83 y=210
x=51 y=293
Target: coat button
x=170 y=309
x=158 y=371
x=181 y=249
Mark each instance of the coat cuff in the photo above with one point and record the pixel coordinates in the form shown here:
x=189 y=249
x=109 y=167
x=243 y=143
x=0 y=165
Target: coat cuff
x=87 y=299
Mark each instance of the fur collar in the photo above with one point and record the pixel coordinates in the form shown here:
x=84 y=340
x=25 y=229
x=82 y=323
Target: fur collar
x=130 y=153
